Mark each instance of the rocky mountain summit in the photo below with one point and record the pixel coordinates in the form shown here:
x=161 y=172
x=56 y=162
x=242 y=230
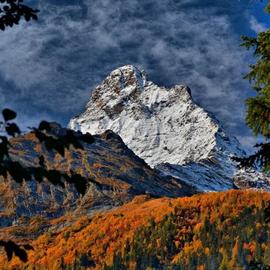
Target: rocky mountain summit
x=166 y=128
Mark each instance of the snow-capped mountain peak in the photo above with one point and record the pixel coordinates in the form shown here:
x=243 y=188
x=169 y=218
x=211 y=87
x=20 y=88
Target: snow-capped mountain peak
x=164 y=126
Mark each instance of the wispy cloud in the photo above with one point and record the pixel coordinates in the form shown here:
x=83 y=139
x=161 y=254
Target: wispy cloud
x=256 y=26
x=52 y=66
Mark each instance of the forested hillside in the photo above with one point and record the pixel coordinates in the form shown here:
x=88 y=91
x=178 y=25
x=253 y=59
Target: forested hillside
x=225 y=230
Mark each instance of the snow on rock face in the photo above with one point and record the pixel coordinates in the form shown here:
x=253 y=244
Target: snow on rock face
x=251 y=179
x=164 y=127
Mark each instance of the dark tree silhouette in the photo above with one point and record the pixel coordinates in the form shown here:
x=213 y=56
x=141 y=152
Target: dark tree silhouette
x=258 y=107
x=20 y=173
x=12 y=11
x=52 y=142
x=13 y=249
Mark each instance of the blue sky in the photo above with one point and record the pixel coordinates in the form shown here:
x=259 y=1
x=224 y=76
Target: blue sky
x=47 y=69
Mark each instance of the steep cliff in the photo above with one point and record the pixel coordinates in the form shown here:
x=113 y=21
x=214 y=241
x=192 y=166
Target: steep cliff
x=163 y=126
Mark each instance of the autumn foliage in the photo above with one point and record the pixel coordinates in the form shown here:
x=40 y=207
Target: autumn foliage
x=211 y=231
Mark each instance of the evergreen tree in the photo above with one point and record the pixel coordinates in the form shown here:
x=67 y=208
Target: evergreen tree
x=258 y=107
x=266 y=258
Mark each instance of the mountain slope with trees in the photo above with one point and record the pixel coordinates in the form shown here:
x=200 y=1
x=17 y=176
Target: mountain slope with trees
x=110 y=172
x=226 y=230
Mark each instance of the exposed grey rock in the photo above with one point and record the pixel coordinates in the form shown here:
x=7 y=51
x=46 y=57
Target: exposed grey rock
x=251 y=179
x=164 y=127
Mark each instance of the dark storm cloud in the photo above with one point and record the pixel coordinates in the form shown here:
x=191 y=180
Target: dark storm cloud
x=48 y=69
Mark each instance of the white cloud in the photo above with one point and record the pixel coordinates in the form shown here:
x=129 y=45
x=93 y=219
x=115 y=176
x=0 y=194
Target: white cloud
x=249 y=141
x=256 y=26
x=53 y=65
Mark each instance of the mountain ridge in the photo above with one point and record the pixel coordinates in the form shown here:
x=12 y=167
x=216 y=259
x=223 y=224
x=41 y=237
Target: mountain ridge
x=163 y=126
x=114 y=175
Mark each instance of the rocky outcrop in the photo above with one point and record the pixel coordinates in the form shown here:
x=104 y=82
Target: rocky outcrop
x=251 y=179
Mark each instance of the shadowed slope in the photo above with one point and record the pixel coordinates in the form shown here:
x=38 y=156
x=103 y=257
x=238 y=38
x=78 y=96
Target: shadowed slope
x=114 y=175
